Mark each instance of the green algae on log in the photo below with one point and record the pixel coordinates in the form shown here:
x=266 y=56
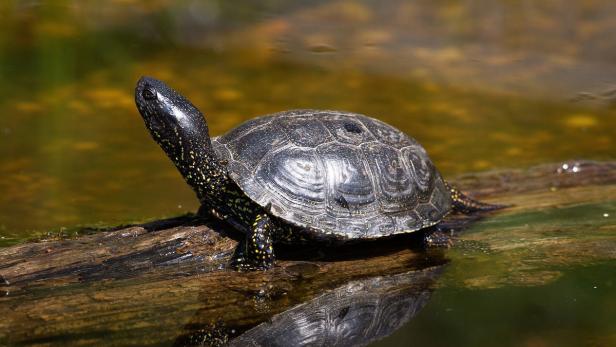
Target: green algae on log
x=163 y=281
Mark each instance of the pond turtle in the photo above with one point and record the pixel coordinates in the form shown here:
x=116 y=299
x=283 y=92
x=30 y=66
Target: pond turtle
x=301 y=175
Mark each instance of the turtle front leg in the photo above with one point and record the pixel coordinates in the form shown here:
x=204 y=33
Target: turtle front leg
x=256 y=252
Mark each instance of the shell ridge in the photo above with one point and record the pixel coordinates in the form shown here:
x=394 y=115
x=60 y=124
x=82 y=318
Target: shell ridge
x=364 y=121
x=371 y=176
x=328 y=131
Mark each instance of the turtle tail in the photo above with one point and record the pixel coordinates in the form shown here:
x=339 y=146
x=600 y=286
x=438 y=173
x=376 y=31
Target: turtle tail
x=467 y=205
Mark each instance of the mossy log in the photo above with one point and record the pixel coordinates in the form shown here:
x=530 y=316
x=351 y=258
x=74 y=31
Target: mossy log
x=160 y=282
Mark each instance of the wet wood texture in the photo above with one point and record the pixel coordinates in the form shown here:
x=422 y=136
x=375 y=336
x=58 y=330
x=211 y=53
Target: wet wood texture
x=152 y=284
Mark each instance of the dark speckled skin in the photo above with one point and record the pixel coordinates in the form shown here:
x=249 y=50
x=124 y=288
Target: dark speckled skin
x=299 y=175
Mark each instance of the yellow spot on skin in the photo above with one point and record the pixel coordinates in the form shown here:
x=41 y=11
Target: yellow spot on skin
x=581 y=120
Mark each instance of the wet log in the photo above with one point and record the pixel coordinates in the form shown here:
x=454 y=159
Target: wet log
x=165 y=281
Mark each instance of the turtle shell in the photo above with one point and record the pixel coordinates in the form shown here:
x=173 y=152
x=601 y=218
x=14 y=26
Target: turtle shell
x=335 y=173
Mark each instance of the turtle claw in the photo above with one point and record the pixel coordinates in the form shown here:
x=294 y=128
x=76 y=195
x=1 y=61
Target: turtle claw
x=437 y=239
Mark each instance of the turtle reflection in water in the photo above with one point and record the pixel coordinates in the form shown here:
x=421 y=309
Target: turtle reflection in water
x=302 y=175
x=354 y=314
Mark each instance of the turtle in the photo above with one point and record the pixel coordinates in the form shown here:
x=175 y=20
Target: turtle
x=301 y=176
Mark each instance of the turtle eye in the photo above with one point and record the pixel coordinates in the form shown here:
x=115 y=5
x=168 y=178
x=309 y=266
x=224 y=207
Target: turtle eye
x=148 y=94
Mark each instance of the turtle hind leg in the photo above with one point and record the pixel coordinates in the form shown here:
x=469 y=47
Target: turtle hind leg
x=467 y=205
x=256 y=251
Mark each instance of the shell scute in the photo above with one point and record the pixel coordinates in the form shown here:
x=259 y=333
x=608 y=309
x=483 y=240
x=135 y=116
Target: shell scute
x=347 y=129
x=305 y=132
x=419 y=163
x=347 y=179
x=293 y=177
x=387 y=134
x=393 y=180
x=252 y=146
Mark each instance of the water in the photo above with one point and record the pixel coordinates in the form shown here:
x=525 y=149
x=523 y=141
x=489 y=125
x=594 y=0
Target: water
x=575 y=310
x=481 y=84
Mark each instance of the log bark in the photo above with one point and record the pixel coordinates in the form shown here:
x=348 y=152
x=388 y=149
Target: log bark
x=157 y=283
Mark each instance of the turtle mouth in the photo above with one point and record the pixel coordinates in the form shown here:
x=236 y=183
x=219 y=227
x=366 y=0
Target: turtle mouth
x=139 y=100
x=149 y=107
x=150 y=101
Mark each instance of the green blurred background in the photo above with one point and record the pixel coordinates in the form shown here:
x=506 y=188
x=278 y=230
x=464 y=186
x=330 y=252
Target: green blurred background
x=482 y=84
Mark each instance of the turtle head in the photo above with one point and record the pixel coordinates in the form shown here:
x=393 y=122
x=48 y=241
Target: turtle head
x=174 y=122
x=181 y=131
